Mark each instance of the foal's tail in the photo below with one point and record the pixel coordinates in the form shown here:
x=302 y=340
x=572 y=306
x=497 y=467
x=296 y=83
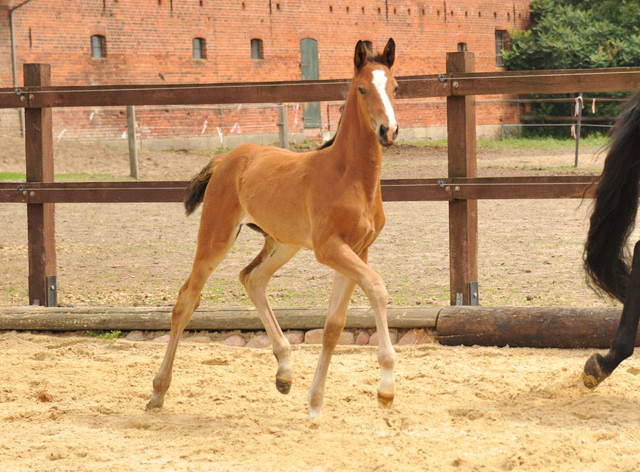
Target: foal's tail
x=197 y=186
x=616 y=203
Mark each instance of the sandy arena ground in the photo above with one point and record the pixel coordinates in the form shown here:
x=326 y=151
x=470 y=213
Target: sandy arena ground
x=77 y=404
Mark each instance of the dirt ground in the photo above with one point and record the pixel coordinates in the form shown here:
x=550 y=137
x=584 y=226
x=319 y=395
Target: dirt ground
x=70 y=402
x=77 y=403
x=530 y=251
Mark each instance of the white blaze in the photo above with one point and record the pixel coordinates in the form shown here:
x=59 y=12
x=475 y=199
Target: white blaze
x=380 y=83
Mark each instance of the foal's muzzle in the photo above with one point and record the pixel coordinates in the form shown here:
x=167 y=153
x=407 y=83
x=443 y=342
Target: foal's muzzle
x=387 y=135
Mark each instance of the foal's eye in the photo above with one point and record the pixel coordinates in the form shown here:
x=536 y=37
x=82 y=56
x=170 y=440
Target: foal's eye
x=361 y=90
x=395 y=90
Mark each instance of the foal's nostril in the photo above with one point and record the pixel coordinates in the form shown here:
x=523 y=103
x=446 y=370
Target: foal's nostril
x=395 y=134
x=383 y=131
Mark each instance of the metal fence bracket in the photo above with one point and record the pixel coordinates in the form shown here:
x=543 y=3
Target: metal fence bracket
x=52 y=291
x=474 y=296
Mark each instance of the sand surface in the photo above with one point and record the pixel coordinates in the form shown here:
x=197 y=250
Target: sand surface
x=77 y=403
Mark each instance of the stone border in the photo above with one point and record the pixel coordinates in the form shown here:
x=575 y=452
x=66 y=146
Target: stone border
x=259 y=339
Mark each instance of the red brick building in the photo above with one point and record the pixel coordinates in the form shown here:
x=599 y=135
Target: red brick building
x=206 y=41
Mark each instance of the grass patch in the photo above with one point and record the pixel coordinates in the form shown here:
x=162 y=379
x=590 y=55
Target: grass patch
x=21 y=177
x=307 y=145
x=568 y=168
x=549 y=143
x=89 y=177
x=428 y=143
x=106 y=335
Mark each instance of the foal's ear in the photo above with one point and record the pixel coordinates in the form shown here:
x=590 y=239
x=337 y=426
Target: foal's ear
x=389 y=54
x=361 y=55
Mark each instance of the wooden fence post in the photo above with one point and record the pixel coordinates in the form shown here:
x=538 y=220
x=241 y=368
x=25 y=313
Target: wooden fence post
x=40 y=216
x=463 y=214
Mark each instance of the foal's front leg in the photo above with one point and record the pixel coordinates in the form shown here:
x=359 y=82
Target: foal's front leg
x=600 y=367
x=338 y=255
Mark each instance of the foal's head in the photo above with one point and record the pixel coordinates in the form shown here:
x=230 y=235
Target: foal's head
x=377 y=89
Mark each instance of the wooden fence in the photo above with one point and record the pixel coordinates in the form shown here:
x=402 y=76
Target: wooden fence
x=461 y=187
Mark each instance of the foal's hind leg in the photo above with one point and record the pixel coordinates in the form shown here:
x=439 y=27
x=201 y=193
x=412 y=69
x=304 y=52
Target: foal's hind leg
x=255 y=278
x=336 y=319
x=598 y=367
x=214 y=241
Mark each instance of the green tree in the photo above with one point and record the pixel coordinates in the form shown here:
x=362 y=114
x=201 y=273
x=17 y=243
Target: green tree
x=576 y=34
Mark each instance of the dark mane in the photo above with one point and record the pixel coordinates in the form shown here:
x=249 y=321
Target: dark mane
x=326 y=144
x=376 y=59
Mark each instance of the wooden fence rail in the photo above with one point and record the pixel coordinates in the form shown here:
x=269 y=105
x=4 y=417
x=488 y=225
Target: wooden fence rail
x=396 y=190
x=461 y=187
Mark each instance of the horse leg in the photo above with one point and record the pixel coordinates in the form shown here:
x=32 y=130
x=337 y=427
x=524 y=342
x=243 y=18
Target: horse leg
x=339 y=256
x=336 y=319
x=214 y=241
x=598 y=367
x=255 y=278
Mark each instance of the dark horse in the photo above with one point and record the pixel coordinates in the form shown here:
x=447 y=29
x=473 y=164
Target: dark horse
x=606 y=255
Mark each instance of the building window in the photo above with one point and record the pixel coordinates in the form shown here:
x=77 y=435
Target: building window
x=257 y=51
x=199 y=50
x=501 y=45
x=462 y=47
x=98 y=46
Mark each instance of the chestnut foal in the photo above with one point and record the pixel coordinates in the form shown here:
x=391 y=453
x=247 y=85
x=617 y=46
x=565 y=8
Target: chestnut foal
x=327 y=200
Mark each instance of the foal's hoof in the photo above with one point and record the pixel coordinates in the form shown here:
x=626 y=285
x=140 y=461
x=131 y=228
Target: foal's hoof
x=153 y=406
x=283 y=385
x=155 y=403
x=593 y=374
x=385 y=399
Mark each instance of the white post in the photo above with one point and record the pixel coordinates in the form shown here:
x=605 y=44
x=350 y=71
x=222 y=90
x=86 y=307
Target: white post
x=283 y=125
x=131 y=136
x=579 y=114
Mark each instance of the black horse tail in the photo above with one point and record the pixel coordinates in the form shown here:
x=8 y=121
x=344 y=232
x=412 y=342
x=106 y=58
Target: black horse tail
x=606 y=257
x=197 y=186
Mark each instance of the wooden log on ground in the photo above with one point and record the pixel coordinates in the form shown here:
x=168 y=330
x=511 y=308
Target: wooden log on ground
x=543 y=327
x=152 y=319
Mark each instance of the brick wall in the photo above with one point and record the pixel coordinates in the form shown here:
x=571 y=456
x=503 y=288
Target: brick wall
x=150 y=42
